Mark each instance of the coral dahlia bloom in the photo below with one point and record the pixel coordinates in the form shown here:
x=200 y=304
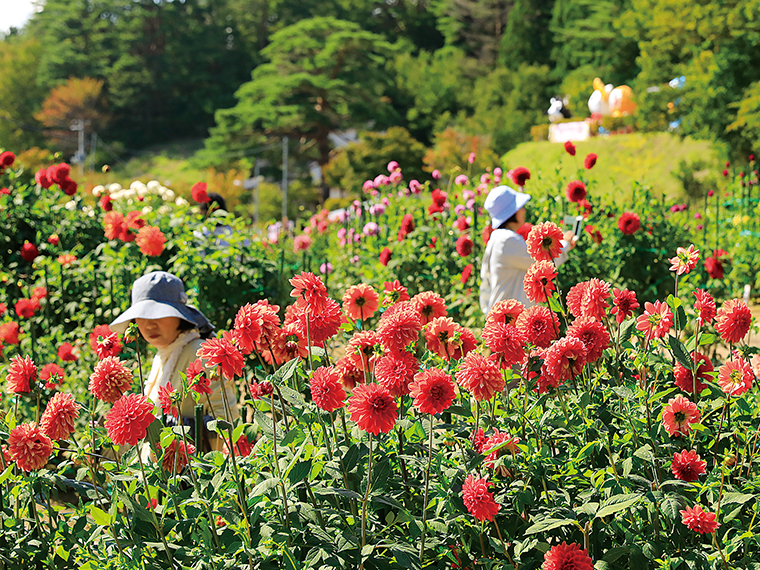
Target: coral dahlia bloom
x=9 y=332
x=445 y=338
x=478 y=499
x=430 y=305
x=506 y=342
x=590 y=161
x=432 y=390
x=52 y=375
x=220 y=352
x=687 y=466
x=567 y=557
x=520 y=175
x=114 y=225
x=128 y=420
x=576 y=191
x=29 y=447
x=110 y=379
x=310 y=288
x=696 y=519
x=464 y=245
x=705 y=307
x=197 y=379
x=539 y=281
x=25 y=308
x=322 y=324
x=624 y=303
x=539 y=324
x=544 y=241
x=177 y=452
x=399 y=326
x=678 y=416
x=151 y=241
x=385 y=256
x=100 y=332
x=165 y=395
x=564 y=359
x=327 y=389
x=67 y=353
x=58 y=420
x=589 y=299
x=372 y=408
x=247 y=330
x=735 y=377
x=108 y=346
x=685 y=260
x=22 y=374
x=498 y=438
x=733 y=320
x=363 y=347
x=350 y=374
x=629 y=223
x=714 y=267
x=506 y=311
x=685 y=380
x=394 y=292
x=656 y=320
x=592 y=334
x=199 y=193
x=480 y=376
x=360 y=302
x=570 y=148
x=395 y=371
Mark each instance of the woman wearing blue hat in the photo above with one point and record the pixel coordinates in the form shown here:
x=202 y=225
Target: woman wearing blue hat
x=506 y=259
x=176 y=330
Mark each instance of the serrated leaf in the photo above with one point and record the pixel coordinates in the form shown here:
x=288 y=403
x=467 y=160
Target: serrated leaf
x=617 y=503
x=549 y=524
x=739 y=498
x=672 y=505
x=285 y=372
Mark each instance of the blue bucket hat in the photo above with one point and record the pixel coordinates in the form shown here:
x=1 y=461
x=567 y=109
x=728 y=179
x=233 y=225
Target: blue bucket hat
x=157 y=295
x=503 y=202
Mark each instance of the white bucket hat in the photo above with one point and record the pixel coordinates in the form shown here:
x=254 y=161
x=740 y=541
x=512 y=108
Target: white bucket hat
x=503 y=202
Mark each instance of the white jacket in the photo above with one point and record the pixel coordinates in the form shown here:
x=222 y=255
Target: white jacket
x=505 y=263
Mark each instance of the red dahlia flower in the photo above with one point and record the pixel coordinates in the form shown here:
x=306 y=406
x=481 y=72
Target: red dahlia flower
x=101 y=332
x=373 y=408
x=539 y=324
x=165 y=396
x=58 y=420
x=432 y=390
x=733 y=320
x=687 y=466
x=563 y=360
x=466 y=273
x=698 y=520
x=539 y=281
x=197 y=379
x=429 y=305
x=52 y=375
x=592 y=334
x=507 y=311
x=394 y=292
x=407 y=226
x=685 y=380
x=177 y=452
x=506 y=342
x=685 y=260
x=128 y=420
x=714 y=267
x=9 y=332
x=151 y=241
x=735 y=377
x=350 y=374
x=29 y=251
x=576 y=191
x=67 y=353
x=326 y=389
x=242 y=447
x=220 y=352
x=323 y=324
x=447 y=339
x=114 y=225
x=385 y=256
x=520 y=175
x=589 y=299
x=478 y=499
x=363 y=346
x=360 y=302
x=678 y=416
x=496 y=440
x=399 y=326
x=6 y=159
x=25 y=308
x=464 y=245
x=110 y=379
x=247 y=329
x=544 y=241
x=395 y=371
x=523 y=231
x=199 y=193
x=629 y=223
x=570 y=148
x=656 y=320
x=590 y=161
x=567 y=557
x=480 y=376
x=311 y=289
x=29 y=447
x=43 y=179
x=705 y=307
x=624 y=303
x=22 y=374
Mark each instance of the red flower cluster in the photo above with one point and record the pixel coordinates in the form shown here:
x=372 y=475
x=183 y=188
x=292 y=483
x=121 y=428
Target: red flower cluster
x=733 y=320
x=478 y=499
x=592 y=334
x=589 y=299
x=372 y=408
x=705 y=307
x=429 y=305
x=687 y=466
x=629 y=223
x=9 y=332
x=544 y=241
x=360 y=302
x=570 y=148
x=29 y=251
x=539 y=281
x=67 y=352
x=57 y=174
x=507 y=312
x=563 y=360
x=685 y=260
x=394 y=292
x=326 y=389
x=399 y=326
x=25 y=308
x=118 y=227
x=567 y=557
x=199 y=192
x=29 y=447
x=385 y=256
x=576 y=191
x=432 y=390
x=52 y=375
x=439 y=201
x=128 y=420
x=656 y=320
x=7 y=158
x=165 y=396
x=506 y=342
x=197 y=379
x=735 y=376
x=58 y=420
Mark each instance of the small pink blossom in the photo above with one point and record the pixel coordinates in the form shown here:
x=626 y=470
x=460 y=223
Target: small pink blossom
x=436 y=174
x=393 y=166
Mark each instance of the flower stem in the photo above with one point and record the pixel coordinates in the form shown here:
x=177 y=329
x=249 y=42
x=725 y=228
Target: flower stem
x=153 y=513
x=427 y=487
x=365 y=499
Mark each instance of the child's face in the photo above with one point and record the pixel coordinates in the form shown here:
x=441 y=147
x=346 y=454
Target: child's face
x=159 y=332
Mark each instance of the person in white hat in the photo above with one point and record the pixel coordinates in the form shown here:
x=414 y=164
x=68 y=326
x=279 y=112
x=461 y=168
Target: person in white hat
x=506 y=259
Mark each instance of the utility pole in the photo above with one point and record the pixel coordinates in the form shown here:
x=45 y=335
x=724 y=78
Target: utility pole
x=284 y=180
x=78 y=125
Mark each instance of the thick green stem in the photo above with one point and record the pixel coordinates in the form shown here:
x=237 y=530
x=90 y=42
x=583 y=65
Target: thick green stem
x=427 y=488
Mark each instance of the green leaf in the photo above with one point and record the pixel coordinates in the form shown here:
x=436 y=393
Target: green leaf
x=299 y=472
x=351 y=458
x=100 y=517
x=626 y=330
x=617 y=503
x=286 y=371
x=680 y=353
x=672 y=505
x=263 y=487
x=550 y=524
x=291 y=562
x=707 y=338
x=739 y=498
x=154 y=436
x=367 y=551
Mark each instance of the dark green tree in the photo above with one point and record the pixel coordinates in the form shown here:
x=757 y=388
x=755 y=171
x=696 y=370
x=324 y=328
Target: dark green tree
x=323 y=75
x=528 y=38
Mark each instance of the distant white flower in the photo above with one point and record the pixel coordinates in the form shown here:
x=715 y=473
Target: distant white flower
x=71 y=205
x=154 y=186
x=169 y=196
x=147 y=209
x=98 y=190
x=164 y=210
x=181 y=201
x=115 y=187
